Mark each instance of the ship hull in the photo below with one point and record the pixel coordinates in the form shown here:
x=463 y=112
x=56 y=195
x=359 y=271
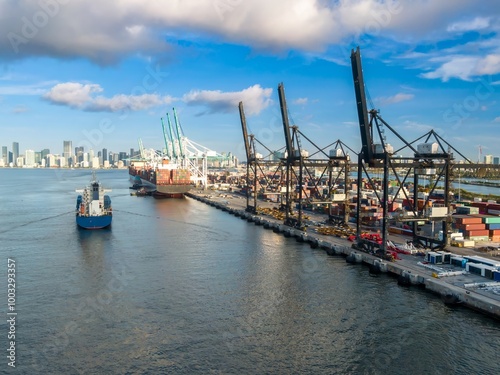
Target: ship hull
x=94 y=222
x=163 y=189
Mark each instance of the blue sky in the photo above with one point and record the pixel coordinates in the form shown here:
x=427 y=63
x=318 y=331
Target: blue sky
x=103 y=74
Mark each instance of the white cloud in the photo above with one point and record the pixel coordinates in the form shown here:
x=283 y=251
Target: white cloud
x=478 y=23
x=465 y=67
x=399 y=97
x=497 y=119
x=254 y=98
x=72 y=94
x=109 y=31
x=81 y=96
x=300 y=101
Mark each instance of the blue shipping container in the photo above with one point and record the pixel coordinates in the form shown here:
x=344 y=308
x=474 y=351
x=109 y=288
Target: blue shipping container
x=496 y=275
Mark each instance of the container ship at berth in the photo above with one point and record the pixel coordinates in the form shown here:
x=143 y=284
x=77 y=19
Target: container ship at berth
x=167 y=179
x=93 y=207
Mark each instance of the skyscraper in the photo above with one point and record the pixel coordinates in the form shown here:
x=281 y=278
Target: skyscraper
x=67 y=146
x=79 y=154
x=15 y=152
x=29 y=158
x=104 y=154
x=5 y=155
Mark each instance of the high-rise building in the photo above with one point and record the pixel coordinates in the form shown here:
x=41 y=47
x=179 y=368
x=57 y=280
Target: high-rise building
x=79 y=154
x=5 y=155
x=67 y=146
x=15 y=152
x=104 y=154
x=29 y=157
x=488 y=159
x=131 y=153
x=44 y=153
x=496 y=160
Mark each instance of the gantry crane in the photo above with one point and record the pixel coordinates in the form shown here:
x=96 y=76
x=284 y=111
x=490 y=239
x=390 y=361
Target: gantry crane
x=427 y=158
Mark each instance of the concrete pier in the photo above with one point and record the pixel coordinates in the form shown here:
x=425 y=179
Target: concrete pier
x=453 y=289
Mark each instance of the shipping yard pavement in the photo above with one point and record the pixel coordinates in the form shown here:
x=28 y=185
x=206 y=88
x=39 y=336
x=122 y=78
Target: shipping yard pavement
x=452 y=283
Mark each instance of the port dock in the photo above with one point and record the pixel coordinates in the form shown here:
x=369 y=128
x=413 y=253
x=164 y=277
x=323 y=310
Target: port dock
x=453 y=283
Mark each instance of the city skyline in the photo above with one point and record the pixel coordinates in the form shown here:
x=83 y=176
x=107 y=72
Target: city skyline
x=109 y=81
x=71 y=156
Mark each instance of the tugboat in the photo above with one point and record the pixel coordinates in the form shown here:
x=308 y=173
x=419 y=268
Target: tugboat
x=93 y=207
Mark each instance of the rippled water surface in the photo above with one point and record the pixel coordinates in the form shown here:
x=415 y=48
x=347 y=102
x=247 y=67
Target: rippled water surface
x=178 y=287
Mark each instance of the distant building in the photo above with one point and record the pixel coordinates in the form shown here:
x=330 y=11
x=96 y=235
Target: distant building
x=95 y=162
x=44 y=153
x=51 y=160
x=79 y=154
x=5 y=155
x=488 y=159
x=67 y=146
x=29 y=157
x=15 y=152
x=496 y=160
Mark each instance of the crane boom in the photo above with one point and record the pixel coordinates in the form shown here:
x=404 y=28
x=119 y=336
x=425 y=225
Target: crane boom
x=180 y=135
x=141 y=149
x=245 y=133
x=174 y=142
x=167 y=148
x=286 y=124
x=359 y=89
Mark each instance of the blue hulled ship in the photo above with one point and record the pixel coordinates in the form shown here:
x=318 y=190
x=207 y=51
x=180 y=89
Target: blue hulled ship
x=93 y=207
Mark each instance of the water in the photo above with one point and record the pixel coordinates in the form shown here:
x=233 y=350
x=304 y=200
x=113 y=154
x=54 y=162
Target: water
x=178 y=287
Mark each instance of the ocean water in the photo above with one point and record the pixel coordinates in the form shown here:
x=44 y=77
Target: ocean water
x=178 y=287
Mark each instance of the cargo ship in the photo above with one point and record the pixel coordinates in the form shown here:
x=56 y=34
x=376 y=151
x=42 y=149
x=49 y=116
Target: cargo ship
x=93 y=207
x=167 y=179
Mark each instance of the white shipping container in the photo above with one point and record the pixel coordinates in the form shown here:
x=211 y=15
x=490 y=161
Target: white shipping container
x=437 y=211
x=379 y=149
x=336 y=153
x=428 y=148
x=338 y=197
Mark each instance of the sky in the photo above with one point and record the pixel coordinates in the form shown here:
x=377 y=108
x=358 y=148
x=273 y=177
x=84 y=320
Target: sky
x=103 y=74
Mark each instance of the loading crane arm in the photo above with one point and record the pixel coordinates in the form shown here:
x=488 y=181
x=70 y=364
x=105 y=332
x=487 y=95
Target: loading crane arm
x=286 y=124
x=248 y=150
x=364 y=124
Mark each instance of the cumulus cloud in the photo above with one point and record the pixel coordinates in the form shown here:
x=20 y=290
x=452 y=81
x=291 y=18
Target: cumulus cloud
x=399 y=97
x=465 y=67
x=254 y=98
x=109 y=31
x=82 y=96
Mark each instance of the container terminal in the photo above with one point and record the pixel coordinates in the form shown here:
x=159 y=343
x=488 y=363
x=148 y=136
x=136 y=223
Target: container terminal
x=389 y=205
x=461 y=276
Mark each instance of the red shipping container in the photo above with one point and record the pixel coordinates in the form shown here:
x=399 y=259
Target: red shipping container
x=494 y=232
x=470 y=227
x=463 y=219
x=476 y=233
